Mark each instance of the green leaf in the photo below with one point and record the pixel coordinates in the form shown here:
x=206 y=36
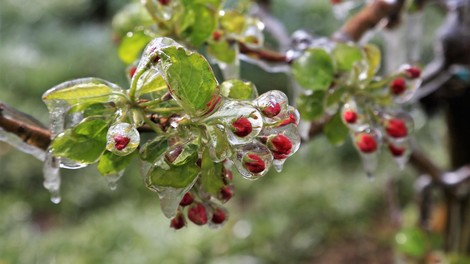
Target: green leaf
x=238 y=89
x=411 y=241
x=201 y=21
x=346 y=55
x=314 y=70
x=311 y=106
x=222 y=51
x=152 y=82
x=152 y=150
x=130 y=17
x=190 y=78
x=233 y=22
x=334 y=97
x=335 y=130
x=112 y=164
x=132 y=45
x=374 y=58
x=175 y=176
x=84 y=143
x=211 y=175
x=80 y=91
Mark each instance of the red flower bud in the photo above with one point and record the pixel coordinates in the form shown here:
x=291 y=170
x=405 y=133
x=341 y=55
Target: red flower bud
x=396 y=128
x=254 y=163
x=242 y=127
x=120 y=142
x=290 y=120
x=396 y=151
x=132 y=71
x=226 y=193
x=219 y=216
x=228 y=174
x=187 y=199
x=164 y=2
x=197 y=214
x=280 y=145
x=366 y=143
x=350 y=116
x=272 y=110
x=335 y=2
x=178 y=221
x=216 y=35
x=173 y=154
x=398 y=86
x=413 y=72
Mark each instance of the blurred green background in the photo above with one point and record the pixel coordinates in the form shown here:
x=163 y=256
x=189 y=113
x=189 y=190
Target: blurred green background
x=320 y=209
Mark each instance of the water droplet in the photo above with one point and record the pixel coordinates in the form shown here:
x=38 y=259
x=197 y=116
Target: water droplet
x=112 y=179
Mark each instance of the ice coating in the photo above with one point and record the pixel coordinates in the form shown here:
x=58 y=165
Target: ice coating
x=250 y=159
x=231 y=111
x=20 y=145
x=51 y=173
x=272 y=104
x=361 y=121
x=219 y=149
x=122 y=139
x=112 y=179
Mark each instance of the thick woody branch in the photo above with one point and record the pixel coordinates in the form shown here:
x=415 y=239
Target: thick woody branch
x=368 y=18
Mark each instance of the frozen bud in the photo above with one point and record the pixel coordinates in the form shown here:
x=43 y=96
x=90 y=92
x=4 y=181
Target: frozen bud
x=228 y=174
x=178 y=221
x=120 y=142
x=271 y=105
x=122 y=139
x=164 y=2
x=280 y=145
x=219 y=216
x=349 y=116
x=216 y=35
x=172 y=154
x=242 y=127
x=398 y=86
x=254 y=163
x=226 y=193
x=187 y=199
x=366 y=143
x=132 y=71
x=396 y=151
x=272 y=110
x=413 y=72
x=396 y=128
x=197 y=214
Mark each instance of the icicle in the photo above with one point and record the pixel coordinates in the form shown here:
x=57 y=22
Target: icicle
x=52 y=176
x=369 y=163
x=112 y=179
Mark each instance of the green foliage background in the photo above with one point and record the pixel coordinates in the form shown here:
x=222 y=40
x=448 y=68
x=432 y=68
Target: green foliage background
x=320 y=199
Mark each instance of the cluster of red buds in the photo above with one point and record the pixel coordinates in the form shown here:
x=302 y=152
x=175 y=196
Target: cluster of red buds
x=371 y=127
x=201 y=208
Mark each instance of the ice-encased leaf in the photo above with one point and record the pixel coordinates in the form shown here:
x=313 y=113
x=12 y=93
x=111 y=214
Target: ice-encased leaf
x=335 y=130
x=346 y=55
x=132 y=44
x=238 y=89
x=311 y=106
x=190 y=78
x=211 y=177
x=219 y=147
x=111 y=164
x=199 y=21
x=84 y=143
x=86 y=90
x=152 y=150
x=314 y=70
x=164 y=175
x=273 y=105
